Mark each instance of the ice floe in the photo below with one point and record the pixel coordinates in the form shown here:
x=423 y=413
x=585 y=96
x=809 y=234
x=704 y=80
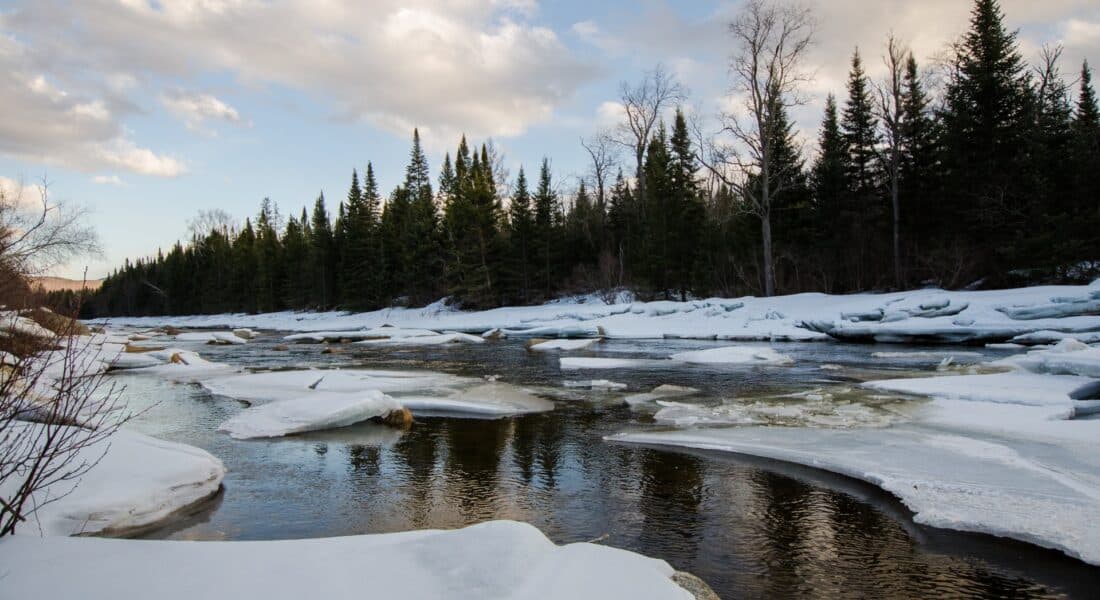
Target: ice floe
x=755 y=355
x=583 y=362
x=596 y=384
x=138 y=482
x=947 y=480
x=309 y=412
x=563 y=345
x=442 y=339
x=661 y=392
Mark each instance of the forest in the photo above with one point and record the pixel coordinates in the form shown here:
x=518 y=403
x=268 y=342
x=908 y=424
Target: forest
x=980 y=170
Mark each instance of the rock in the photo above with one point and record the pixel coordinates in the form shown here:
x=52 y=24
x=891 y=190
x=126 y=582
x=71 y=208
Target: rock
x=694 y=586
x=332 y=350
x=401 y=417
x=281 y=348
x=169 y=330
x=494 y=334
x=131 y=349
x=246 y=334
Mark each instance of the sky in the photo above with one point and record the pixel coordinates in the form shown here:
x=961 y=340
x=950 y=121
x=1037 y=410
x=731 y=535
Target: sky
x=145 y=112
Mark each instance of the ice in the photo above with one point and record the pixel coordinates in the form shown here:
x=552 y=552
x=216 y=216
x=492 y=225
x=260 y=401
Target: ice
x=564 y=345
x=496 y=559
x=260 y=388
x=138 y=482
x=1007 y=388
x=1056 y=308
x=568 y=331
x=487 y=400
x=947 y=480
x=309 y=412
x=384 y=332
x=1068 y=357
x=128 y=360
x=183 y=366
x=441 y=339
x=211 y=337
x=938 y=355
x=576 y=362
x=1039 y=338
x=660 y=392
x=596 y=384
x=422 y=392
x=734 y=355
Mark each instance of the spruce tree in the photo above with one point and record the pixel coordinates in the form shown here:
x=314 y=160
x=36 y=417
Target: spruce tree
x=521 y=225
x=322 y=256
x=829 y=180
x=421 y=236
x=545 y=238
x=686 y=207
x=863 y=211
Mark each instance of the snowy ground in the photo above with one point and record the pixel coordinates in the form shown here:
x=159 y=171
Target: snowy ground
x=922 y=315
x=498 y=559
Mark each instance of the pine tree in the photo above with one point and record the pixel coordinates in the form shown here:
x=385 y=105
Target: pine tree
x=863 y=211
x=1086 y=150
x=686 y=207
x=545 y=238
x=421 y=243
x=919 y=172
x=322 y=256
x=986 y=123
x=297 y=272
x=829 y=179
x=268 y=258
x=520 y=237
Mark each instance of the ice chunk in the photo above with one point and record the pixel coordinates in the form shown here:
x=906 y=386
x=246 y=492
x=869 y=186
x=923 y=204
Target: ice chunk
x=1068 y=357
x=1009 y=388
x=211 y=337
x=259 y=388
x=596 y=384
x=309 y=412
x=755 y=355
x=576 y=362
x=567 y=344
x=441 y=339
x=488 y=400
x=139 y=481
x=660 y=392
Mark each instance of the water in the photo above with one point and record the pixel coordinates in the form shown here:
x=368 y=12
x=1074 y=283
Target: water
x=751 y=528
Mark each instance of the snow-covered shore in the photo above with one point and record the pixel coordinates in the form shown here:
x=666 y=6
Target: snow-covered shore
x=497 y=559
x=920 y=315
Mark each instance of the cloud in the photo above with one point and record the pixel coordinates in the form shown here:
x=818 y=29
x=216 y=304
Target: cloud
x=196 y=108
x=46 y=121
x=477 y=66
x=107 y=180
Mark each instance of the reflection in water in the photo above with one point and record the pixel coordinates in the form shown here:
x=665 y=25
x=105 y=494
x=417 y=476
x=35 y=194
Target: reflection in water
x=750 y=528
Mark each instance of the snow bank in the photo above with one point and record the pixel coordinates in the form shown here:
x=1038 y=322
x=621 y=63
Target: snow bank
x=320 y=410
x=912 y=316
x=139 y=481
x=947 y=480
x=734 y=355
x=497 y=559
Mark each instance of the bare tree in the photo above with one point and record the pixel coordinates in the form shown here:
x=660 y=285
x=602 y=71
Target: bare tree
x=56 y=413
x=39 y=234
x=209 y=221
x=642 y=105
x=890 y=110
x=772 y=40
x=603 y=157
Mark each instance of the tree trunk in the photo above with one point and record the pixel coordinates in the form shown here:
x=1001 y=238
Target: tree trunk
x=769 y=261
x=895 y=200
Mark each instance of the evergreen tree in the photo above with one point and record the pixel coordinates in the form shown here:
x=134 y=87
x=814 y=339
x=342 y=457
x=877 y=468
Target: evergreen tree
x=686 y=211
x=520 y=237
x=421 y=235
x=829 y=179
x=322 y=256
x=268 y=282
x=863 y=211
x=545 y=236
x=1086 y=150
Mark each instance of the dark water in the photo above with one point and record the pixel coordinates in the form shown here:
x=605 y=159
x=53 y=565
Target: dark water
x=751 y=528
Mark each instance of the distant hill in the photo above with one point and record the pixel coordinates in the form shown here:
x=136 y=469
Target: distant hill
x=54 y=284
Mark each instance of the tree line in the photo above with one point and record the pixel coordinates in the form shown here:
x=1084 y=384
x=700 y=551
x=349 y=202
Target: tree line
x=990 y=177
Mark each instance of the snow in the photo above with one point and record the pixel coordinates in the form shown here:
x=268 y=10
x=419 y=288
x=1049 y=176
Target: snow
x=497 y=559
x=734 y=355
x=139 y=481
x=947 y=480
x=384 y=332
x=487 y=400
x=563 y=345
x=914 y=316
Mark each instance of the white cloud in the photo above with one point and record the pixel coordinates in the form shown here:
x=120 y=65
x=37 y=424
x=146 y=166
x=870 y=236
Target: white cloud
x=196 y=108
x=46 y=122
x=476 y=66
x=107 y=180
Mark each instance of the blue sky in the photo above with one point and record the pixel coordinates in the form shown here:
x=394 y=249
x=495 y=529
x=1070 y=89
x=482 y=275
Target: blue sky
x=148 y=111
